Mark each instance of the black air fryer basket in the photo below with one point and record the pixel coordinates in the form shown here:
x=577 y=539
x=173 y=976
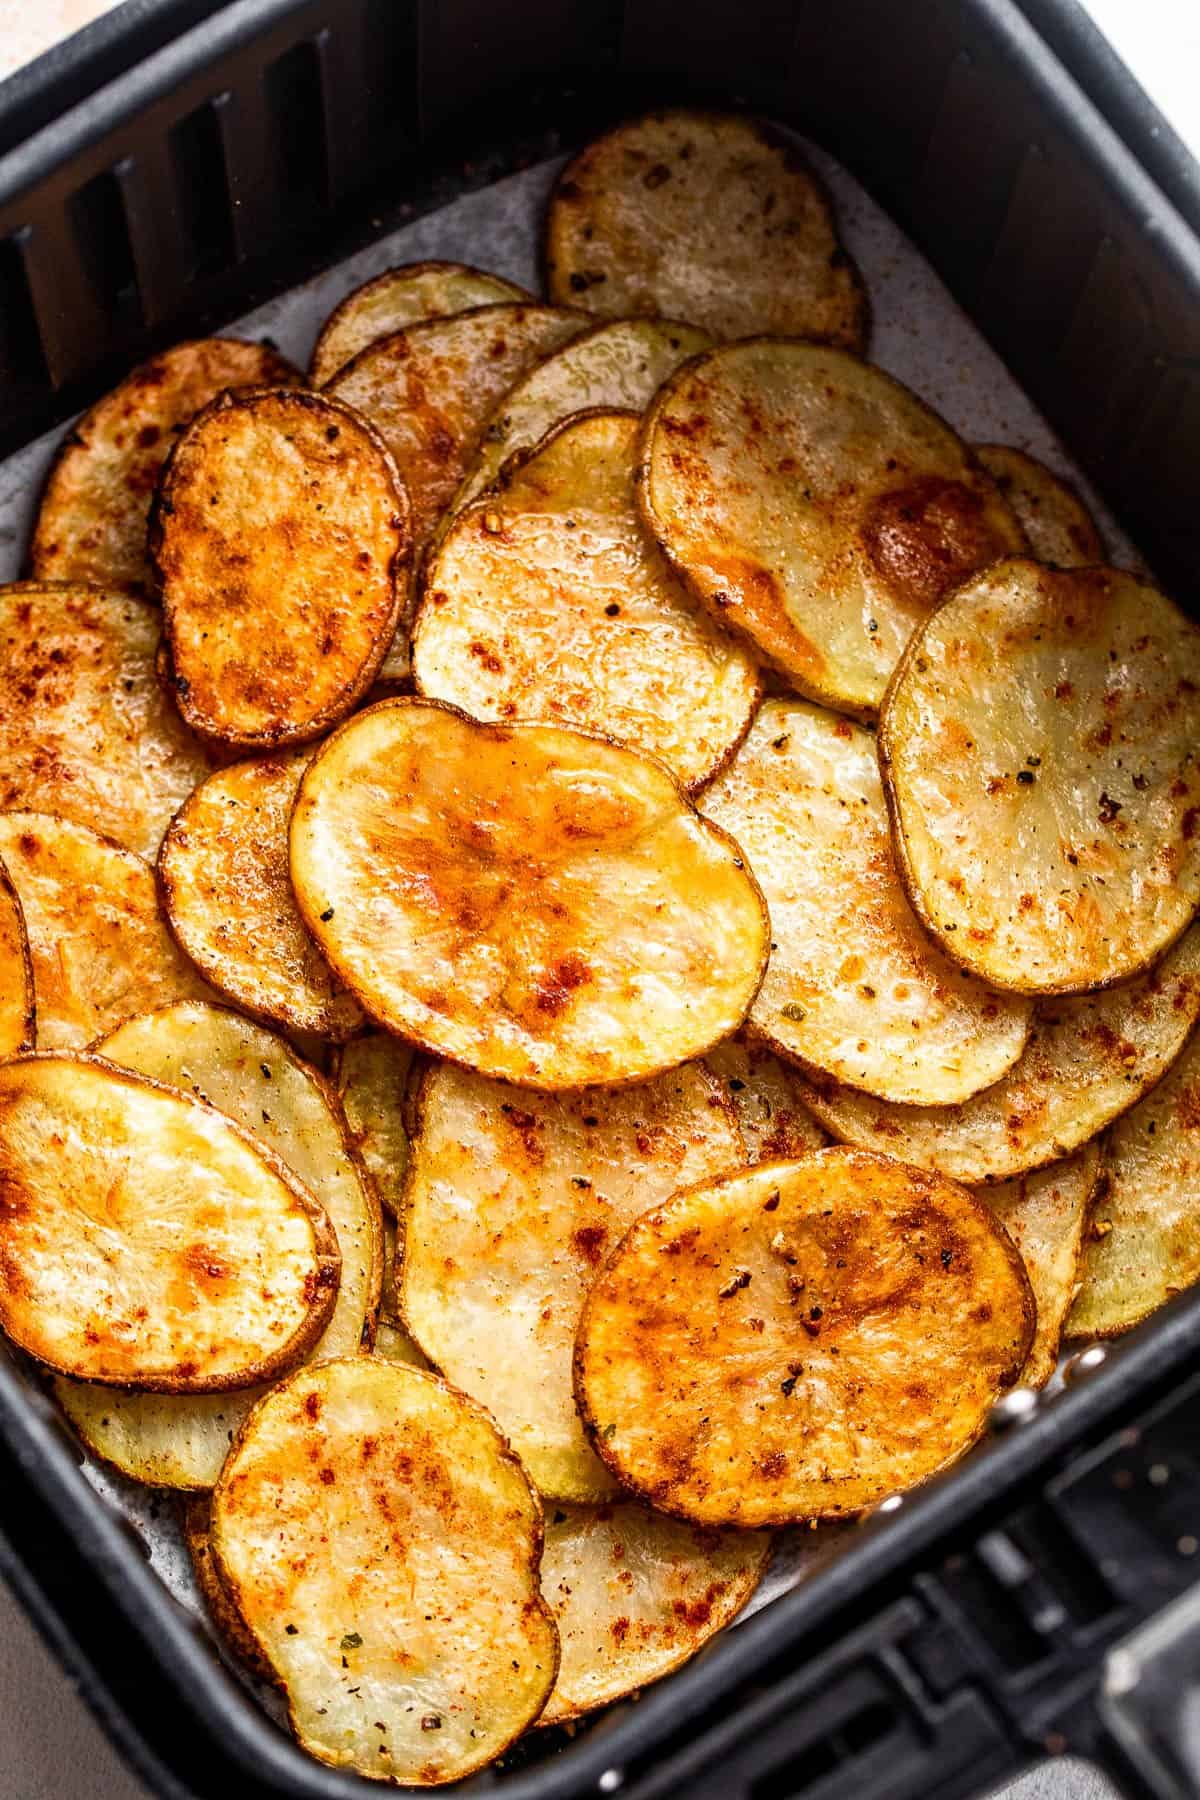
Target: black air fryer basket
x=180 y=161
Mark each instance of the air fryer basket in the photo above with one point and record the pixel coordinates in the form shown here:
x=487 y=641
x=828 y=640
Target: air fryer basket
x=180 y=162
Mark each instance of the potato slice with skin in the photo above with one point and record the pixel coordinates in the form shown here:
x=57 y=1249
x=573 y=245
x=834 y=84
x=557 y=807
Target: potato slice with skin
x=1039 y=751
x=800 y=1340
x=230 y=1626
x=86 y=730
x=147 y=1240
x=634 y=1595
x=775 y=1124
x=98 y=948
x=223 y=876
x=280 y=541
x=258 y=1081
x=92 y=522
x=1087 y=1061
x=18 y=1013
x=705 y=216
x=1045 y=1215
x=549 y=600
x=1060 y=529
x=817 y=507
x=382 y=1543
x=535 y=903
x=372 y=1078
x=854 y=988
x=398 y=298
x=512 y=1203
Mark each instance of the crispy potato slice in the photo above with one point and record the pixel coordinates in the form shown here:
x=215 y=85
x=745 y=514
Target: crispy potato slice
x=711 y=217
x=1045 y=1215
x=280 y=542
x=800 y=1340
x=548 y=599
x=540 y=905
x=255 y=1079
x=223 y=876
x=398 y=298
x=372 y=1078
x=145 y=1240
x=86 y=730
x=635 y=1594
x=775 y=1124
x=1144 y=1245
x=1087 y=1061
x=92 y=522
x=1060 y=529
x=817 y=507
x=1039 y=750
x=98 y=948
x=231 y=1628
x=18 y=1013
x=382 y=1543
x=854 y=989
x=512 y=1203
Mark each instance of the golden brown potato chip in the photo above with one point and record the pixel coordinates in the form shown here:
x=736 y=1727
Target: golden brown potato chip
x=223 y=876
x=372 y=1079
x=401 y=297
x=92 y=522
x=256 y=1080
x=99 y=950
x=86 y=730
x=854 y=989
x=548 y=599
x=145 y=1240
x=513 y=1201
x=229 y=1623
x=1038 y=747
x=382 y=1543
x=800 y=1340
x=1060 y=529
x=817 y=507
x=703 y=216
x=1087 y=1061
x=635 y=1594
x=17 y=1010
x=540 y=905
x=1045 y=1215
x=775 y=1124
x=280 y=541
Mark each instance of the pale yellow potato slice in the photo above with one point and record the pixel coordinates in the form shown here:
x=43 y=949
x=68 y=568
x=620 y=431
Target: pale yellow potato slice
x=1045 y=1215
x=635 y=1594
x=18 y=1012
x=254 y=1078
x=223 y=877
x=1039 y=749
x=513 y=1202
x=372 y=1077
x=397 y=298
x=382 y=1543
x=99 y=950
x=775 y=1124
x=548 y=599
x=230 y=1626
x=712 y=217
x=800 y=1340
x=91 y=525
x=145 y=1240
x=1087 y=1061
x=86 y=730
x=391 y=1339
x=1060 y=529
x=538 y=904
x=817 y=507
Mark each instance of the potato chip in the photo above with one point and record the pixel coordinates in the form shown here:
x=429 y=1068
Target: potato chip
x=1060 y=529
x=817 y=507
x=711 y=217
x=513 y=1202
x=372 y=1079
x=1087 y=1061
x=382 y=1544
x=635 y=1594
x=91 y=525
x=398 y=298
x=854 y=988
x=86 y=730
x=230 y=1626
x=538 y=904
x=145 y=1240
x=1045 y=1215
x=775 y=1124
x=17 y=1009
x=1039 y=747
x=549 y=600
x=280 y=541
x=223 y=875
x=255 y=1079
x=800 y=1340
